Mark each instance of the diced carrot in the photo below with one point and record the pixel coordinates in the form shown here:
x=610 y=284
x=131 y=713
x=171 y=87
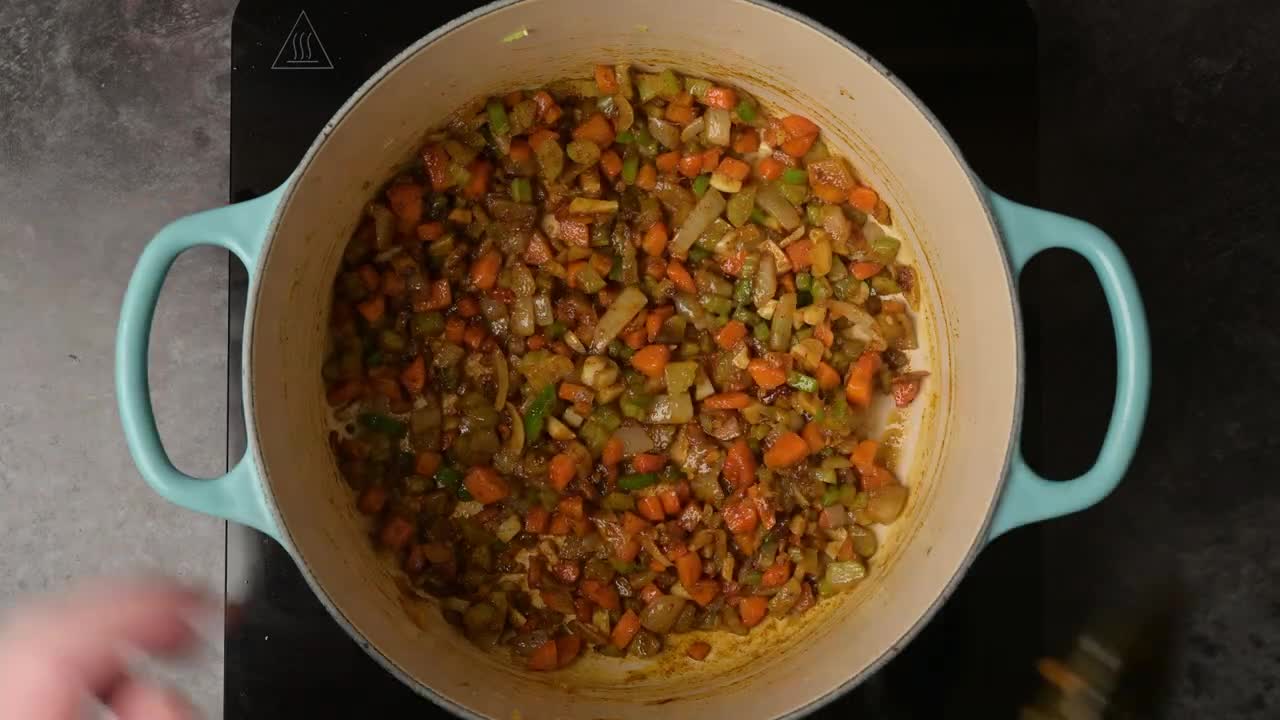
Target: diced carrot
x=734 y=168
x=513 y=98
x=429 y=231
x=535 y=521
x=876 y=477
x=740 y=516
x=679 y=113
x=698 y=651
x=650 y=507
x=827 y=376
x=369 y=274
x=655 y=239
x=571 y=507
x=485 y=485
x=344 y=392
x=747 y=141
x=648 y=462
x=478 y=183
x=405 y=200
x=846 y=550
x=436 y=160
x=473 y=337
x=536 y=342
x=752 y=610
x=667 y=161
x=766 y=374
x=548 y=110
x=812 y=434
x=777 y=574
x=770 y=169
x=562 y=470
x=797 y=147
x=575 y=393
x=633 y=524
x=372 y=500
x=721 y=97
x=628 y=551
x=690 y=165
x=560 y=525
x=606 y=80
x=393 y=284
x=373 y=308
x=788 y=449
x=545 y=657
x=864 y=198
x=386 y=387
x=731 y=334
x=670 y=501
x=799 y=126
x=454 y=329
x=484 y=271
x=689 y=569
x=520 y=151
x=396 y=533
x=866 y=270
x=647 y=178
x=426 y=463
x=635 y=339
x=468 y=307
x=711 y=158
x=567 y=648
x=611 y=164
x=704 y=591
x=612 y=454
x=597 y=129
x=677 y=274
x=626 y=629
x=414 y=375
x=828 y=193
x=439 y=296
x=537 y=137
x=800 y=253
x=651 y=360
x=858 y=385
x=727 y=401
x=864 y=455
x=740 y=465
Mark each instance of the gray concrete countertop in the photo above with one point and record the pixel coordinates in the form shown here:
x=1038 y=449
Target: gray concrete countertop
x=113 y=121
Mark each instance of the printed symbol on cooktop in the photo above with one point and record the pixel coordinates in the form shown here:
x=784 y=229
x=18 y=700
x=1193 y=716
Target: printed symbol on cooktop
x=302 y=49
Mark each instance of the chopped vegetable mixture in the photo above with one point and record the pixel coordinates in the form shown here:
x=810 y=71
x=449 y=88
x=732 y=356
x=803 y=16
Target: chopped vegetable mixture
x=607 y=354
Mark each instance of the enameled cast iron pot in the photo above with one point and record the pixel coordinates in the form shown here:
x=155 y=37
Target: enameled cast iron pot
x=961 y=459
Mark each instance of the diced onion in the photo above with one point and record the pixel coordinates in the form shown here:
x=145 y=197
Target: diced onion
x=629 y=302
x=665 y=132
x=718 y=126
x=691 y=131
x=634 y=440
x=783 y=316
x=771 y=199
x=704 y=213
x=766 y=281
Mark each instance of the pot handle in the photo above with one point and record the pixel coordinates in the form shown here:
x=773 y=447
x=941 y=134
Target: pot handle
x=237 y=495
x=1028 y=497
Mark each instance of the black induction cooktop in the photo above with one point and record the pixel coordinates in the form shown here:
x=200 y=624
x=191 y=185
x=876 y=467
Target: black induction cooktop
x=293 y=64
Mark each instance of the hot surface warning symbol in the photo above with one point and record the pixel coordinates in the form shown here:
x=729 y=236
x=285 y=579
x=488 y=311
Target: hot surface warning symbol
x=302 y=49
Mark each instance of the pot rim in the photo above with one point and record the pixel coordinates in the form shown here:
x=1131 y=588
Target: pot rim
x=290 y=186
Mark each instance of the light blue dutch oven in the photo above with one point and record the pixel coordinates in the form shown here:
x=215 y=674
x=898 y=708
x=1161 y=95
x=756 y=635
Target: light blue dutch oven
x=969 y=481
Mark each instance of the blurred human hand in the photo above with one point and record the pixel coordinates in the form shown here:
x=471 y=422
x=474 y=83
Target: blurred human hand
x=57 y=653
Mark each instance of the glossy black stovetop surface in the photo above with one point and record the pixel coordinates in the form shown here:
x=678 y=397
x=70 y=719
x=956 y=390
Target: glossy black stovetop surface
x=973 y=64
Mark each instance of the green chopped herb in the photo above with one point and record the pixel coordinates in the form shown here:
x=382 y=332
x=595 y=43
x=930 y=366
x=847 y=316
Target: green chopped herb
x=521 y=190
x=630 y=167
x=384 y=424
x=536 y=416
x=746 y=110
x=700 y=184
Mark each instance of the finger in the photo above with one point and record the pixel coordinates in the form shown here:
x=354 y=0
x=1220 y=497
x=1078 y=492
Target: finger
x=139 y=701
x=81 y=638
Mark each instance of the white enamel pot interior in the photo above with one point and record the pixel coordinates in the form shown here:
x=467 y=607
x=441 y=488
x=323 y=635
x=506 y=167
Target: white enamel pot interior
x=958 y=437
